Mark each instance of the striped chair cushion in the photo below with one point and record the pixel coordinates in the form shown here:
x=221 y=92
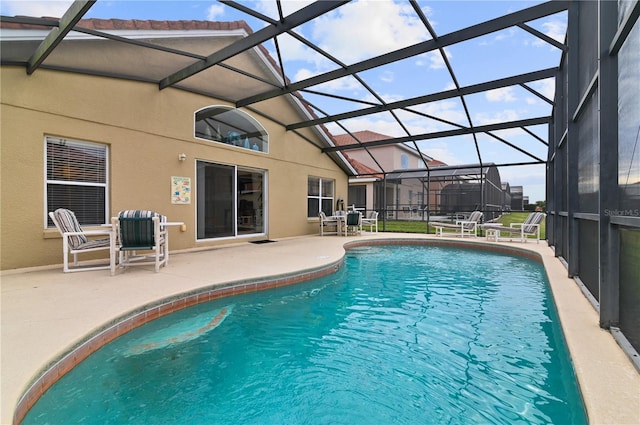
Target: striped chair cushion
x=533 y=218
x=473 y=219
x=97 y=243
x=69 y=223
x=136 y=229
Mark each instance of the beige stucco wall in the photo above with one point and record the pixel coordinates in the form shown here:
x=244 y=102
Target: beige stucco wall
x=146 y=129
x=389 y=157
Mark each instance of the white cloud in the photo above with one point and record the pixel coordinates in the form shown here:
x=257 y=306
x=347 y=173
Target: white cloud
x=546 y=87
x=214 y=12
x=292 y=50
x=303 y=74
x=345 y=83
x=504 y=94
x=505 y=34
x=36 y=8
x=354 y=32
x=450 y=86
x=415 y=124
x=387 y=97
x=441 y=154
x=452 y=150
x=270 y=8
x=433 y=59
x=506 y=115
x=362 y=29
x=483 y=118
x=436 y=61
x=449 y=110
x=530 y=177
x=498 y=37
x=428 y=12
x=555 y=29
x=387 y=77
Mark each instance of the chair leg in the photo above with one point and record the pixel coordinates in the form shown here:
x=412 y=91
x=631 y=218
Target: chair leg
x=157 y=251
x=165 y=249
x=65 y=254
x=112 y=256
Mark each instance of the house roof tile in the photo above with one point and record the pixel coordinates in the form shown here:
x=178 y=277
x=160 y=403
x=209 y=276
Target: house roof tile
x=362 y=169
x=140 y=24
x=362 y=136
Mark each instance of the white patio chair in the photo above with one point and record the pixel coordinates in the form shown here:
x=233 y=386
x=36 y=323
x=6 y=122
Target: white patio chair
x=140 y=230
x=329 y=226
x=76 y=241
x=353 y=223
x=371 y=220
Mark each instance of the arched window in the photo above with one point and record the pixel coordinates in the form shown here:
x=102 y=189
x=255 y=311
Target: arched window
x=227 y=125
x=404 y=161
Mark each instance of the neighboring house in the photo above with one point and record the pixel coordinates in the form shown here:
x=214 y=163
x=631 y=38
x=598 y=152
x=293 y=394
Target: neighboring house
x=477 y=188
x=364 y=189
x=399 y=184
x=91 y=131
x=506 y=194
x=517 y=198
x=368 y=191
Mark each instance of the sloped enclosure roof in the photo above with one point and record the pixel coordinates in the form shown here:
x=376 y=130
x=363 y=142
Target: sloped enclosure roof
x=443 y=114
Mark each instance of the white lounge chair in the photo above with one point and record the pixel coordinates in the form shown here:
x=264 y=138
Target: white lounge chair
x=529 y=228
x=76 y=241
x=140 y=230
x=461 y=227
x=371 y=220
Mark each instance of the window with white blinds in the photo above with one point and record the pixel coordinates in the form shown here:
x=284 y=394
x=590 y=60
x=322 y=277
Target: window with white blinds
x=76 y=179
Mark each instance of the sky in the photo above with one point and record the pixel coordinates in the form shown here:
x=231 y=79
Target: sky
x=391 y=25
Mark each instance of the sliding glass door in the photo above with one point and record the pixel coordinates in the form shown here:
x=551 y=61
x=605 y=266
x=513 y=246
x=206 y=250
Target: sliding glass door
x=249 y=197
x=230 y=201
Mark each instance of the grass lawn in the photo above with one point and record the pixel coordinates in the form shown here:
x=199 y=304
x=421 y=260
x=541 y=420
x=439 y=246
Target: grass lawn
x=416 y=226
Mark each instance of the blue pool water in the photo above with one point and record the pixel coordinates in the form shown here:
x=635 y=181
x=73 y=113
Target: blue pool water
x=400 y=335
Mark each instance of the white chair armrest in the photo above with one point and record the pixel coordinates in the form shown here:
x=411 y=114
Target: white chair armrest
x=89 y=233
x=515 y=225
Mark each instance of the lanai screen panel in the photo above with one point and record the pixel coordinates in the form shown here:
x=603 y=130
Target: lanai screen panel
x=629 y=178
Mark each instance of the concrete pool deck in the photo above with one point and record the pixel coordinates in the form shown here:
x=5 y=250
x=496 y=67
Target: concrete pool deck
x=45 y=312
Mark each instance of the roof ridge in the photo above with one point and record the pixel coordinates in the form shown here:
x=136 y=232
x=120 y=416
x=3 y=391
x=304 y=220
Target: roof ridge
x=153 y=24
x=101 y=24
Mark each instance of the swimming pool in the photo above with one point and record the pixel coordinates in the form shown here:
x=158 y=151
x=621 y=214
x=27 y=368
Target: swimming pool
x=401 y=334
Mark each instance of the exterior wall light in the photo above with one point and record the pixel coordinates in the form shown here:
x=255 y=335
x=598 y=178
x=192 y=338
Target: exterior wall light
x=182 y=157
